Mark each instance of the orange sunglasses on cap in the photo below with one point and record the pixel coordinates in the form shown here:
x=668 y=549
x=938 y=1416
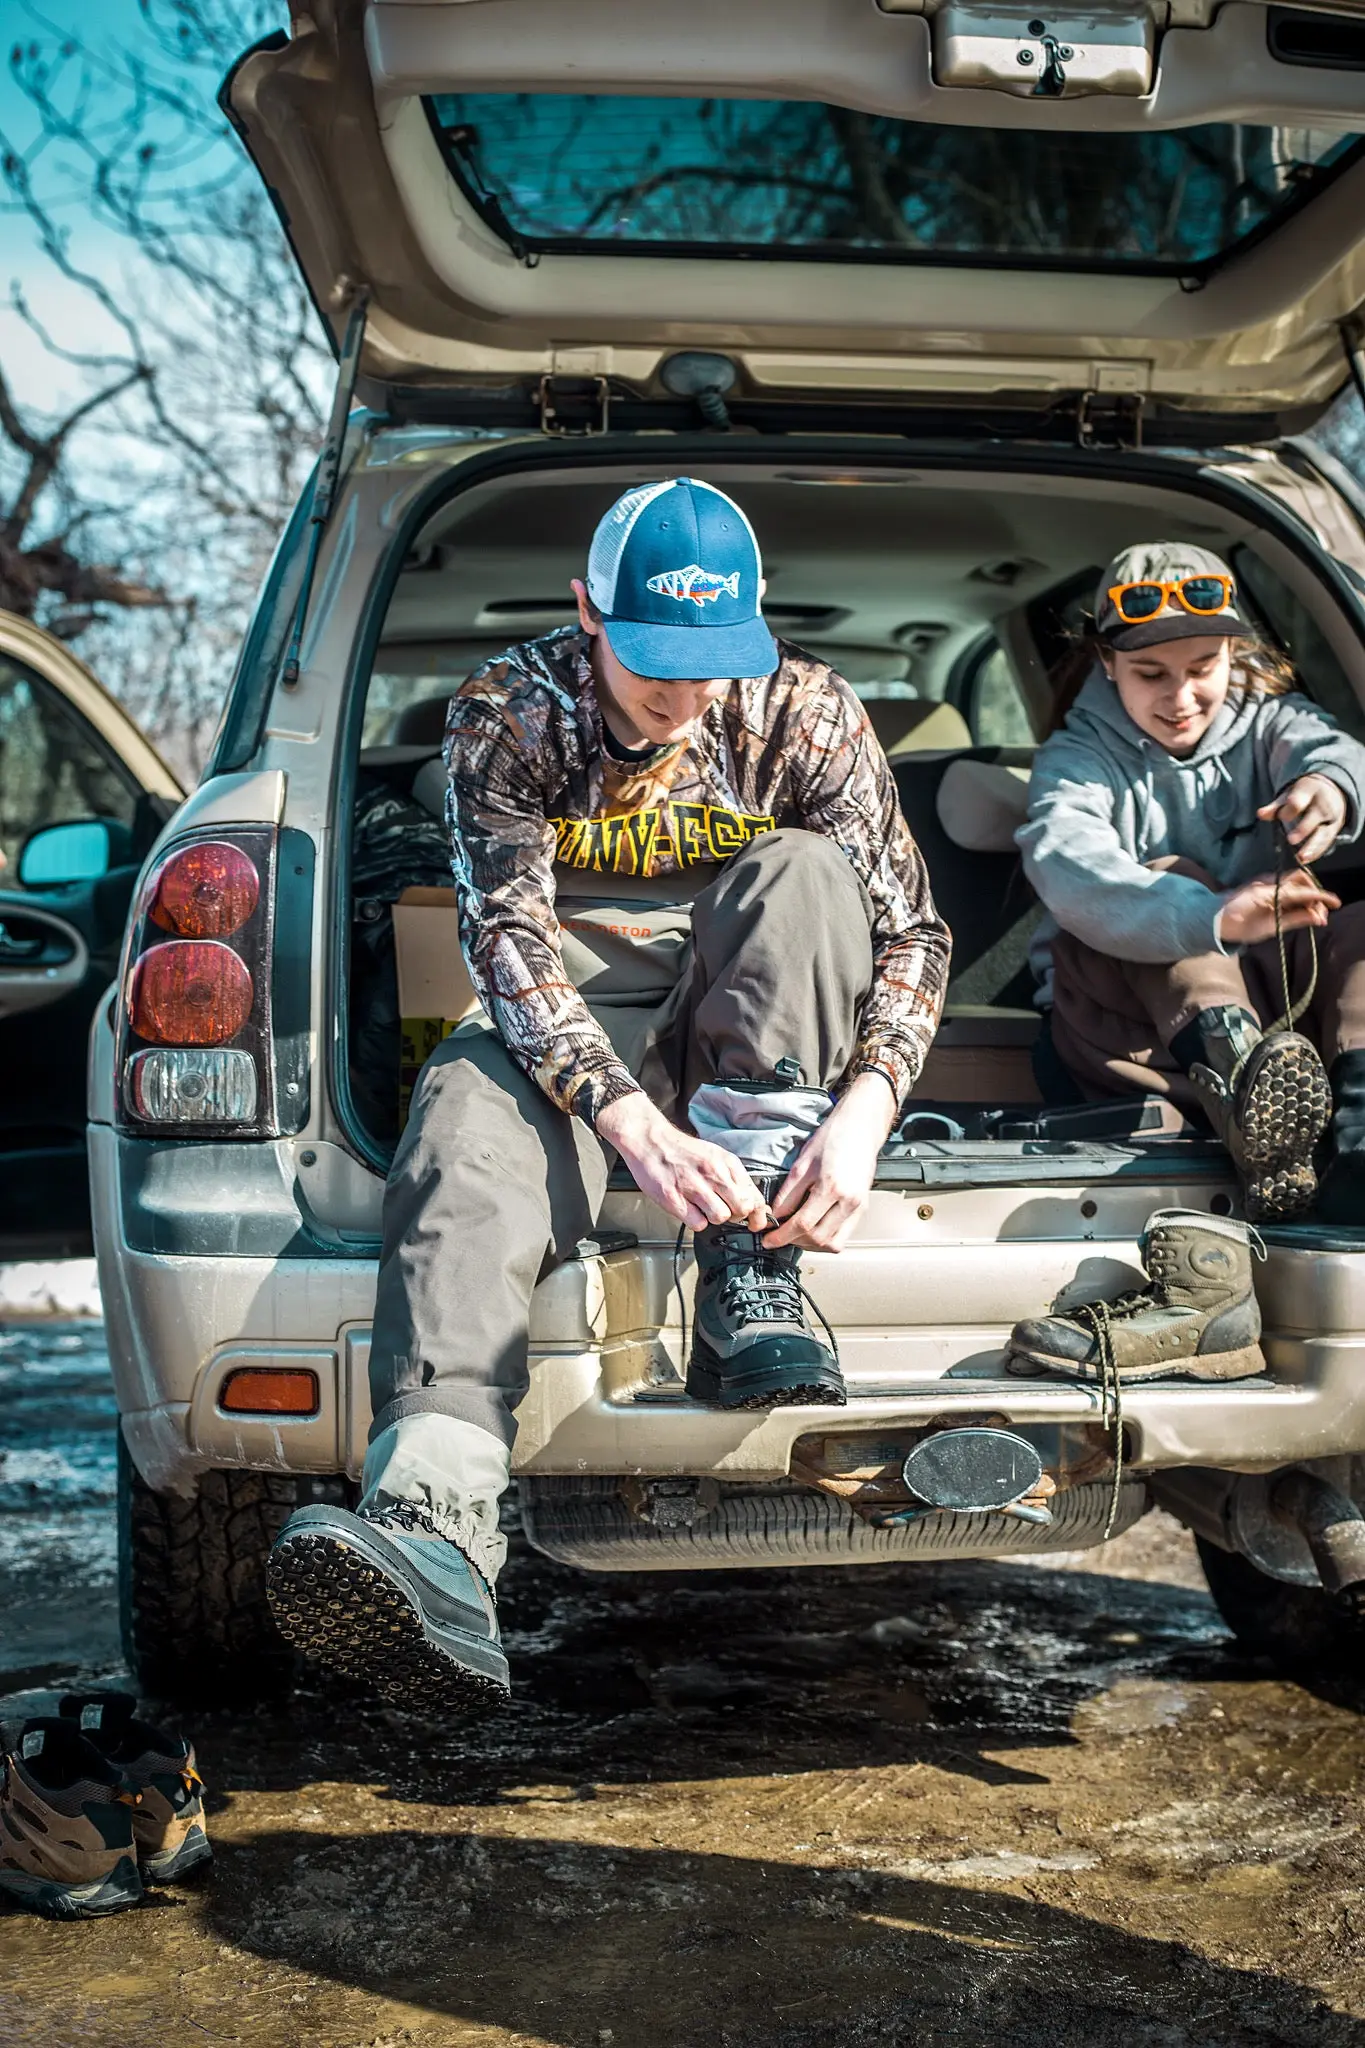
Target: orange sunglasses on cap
x=1201 y=595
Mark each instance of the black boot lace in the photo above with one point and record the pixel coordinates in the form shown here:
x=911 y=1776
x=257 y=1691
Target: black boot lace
x=759 y=1285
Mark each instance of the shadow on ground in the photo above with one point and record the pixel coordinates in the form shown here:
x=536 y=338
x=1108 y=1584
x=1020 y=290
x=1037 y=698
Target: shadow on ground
x=554 y=1940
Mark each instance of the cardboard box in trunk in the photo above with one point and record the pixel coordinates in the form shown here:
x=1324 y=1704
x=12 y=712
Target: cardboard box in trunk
x=434 y=990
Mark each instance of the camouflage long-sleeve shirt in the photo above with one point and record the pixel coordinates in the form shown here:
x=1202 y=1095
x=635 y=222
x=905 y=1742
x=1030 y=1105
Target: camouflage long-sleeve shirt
x=531 y=784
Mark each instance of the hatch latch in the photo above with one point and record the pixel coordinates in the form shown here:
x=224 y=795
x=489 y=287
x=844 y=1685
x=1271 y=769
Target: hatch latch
x=1110 y=419
x=571 y=407
x=1041 y=54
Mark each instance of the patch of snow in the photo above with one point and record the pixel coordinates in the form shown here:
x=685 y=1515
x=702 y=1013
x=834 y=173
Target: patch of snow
x=50 y=1287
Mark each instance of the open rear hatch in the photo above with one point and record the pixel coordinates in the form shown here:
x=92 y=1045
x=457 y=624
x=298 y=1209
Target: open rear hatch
x=1127 y=212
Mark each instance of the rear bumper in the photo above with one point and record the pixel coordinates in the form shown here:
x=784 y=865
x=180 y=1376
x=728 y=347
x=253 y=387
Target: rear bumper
x=922 y=1303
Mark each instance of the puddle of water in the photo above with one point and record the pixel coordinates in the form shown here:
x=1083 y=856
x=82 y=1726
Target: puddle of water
x=1132 y=1706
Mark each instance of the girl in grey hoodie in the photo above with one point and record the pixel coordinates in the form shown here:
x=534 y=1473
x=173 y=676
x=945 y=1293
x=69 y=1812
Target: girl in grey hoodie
x=1188 y=776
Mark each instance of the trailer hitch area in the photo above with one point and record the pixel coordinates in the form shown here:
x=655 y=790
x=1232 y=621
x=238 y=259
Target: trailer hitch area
x=976 y=1468
x=1332 y=1526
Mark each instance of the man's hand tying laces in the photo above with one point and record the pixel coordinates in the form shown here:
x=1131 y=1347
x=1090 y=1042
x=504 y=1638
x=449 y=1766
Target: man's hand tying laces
x=695 y=1181
x=826 y=1190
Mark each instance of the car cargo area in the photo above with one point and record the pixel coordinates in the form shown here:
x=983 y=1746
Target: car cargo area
x=946 y=600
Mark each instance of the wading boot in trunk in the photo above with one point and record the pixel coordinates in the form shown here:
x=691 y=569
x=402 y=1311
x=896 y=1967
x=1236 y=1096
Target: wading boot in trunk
x=751 y=1345
x=1341 y=1194
x=1197 y=1317
x=1267 y=1097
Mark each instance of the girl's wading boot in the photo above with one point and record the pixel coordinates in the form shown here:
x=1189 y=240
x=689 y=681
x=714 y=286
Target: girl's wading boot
x=1267 y=1097
x=1197 y=1317
x=1341 y=1194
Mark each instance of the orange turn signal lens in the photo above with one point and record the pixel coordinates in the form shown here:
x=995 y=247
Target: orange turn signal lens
x=270 y=1390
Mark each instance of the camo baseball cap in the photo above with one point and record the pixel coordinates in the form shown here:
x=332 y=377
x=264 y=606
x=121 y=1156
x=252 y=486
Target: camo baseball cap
x=1163 y=562
x=675 y=571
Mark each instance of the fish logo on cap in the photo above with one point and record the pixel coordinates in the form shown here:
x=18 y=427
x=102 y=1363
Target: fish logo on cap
x=694 y=584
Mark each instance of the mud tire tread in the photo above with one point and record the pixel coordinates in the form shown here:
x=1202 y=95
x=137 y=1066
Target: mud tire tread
x=195 y=1620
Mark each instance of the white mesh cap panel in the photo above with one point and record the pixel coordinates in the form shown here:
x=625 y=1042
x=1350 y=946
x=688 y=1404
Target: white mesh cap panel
x=609 y=542
x=616 y=527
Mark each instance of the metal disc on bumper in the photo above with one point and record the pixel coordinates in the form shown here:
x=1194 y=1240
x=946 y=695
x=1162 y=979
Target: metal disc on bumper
x=967 y=1470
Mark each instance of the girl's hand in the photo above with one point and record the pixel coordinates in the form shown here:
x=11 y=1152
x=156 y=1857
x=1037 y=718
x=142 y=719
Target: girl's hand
x=1248 y=913
x=826 y=1190
x=1312 y=811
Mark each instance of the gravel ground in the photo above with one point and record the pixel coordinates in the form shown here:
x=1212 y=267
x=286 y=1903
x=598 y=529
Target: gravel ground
x=1049 y=1802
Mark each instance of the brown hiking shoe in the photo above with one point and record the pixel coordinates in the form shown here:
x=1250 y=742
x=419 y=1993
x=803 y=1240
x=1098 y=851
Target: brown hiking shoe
x=1198 y=1317
x=1269 y=1100
x=159 y=1768
x=66 y=1827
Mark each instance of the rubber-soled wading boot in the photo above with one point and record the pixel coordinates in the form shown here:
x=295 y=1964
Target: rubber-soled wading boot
x=383 y=1597
x=751 y=1346
x=1268 y=1099
x=1198 y=1317
x=159 y=1769
x=66 y=1827
x=1341 y=1192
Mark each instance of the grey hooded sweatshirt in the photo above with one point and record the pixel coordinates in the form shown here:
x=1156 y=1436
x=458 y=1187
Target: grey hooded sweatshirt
x=1104 y=799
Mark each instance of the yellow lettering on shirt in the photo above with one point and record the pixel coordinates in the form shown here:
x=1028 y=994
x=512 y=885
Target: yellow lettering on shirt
x=648 y=842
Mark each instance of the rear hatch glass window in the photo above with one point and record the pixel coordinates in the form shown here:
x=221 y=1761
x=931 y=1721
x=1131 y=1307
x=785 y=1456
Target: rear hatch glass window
x=721 y=177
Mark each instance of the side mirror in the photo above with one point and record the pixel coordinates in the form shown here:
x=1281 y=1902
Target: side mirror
x=55 y=856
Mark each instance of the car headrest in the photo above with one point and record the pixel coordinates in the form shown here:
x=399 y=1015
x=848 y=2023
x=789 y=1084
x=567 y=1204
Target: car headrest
x=982 y=804
x=422 y=724
x=429 y=787
x=923 y=726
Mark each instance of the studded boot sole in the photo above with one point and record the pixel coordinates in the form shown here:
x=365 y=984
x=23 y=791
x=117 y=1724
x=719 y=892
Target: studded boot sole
x=1282 y=1105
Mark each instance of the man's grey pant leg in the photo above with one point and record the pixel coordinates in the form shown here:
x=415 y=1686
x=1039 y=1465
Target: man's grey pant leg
x=491 y=1187
x=781 y=965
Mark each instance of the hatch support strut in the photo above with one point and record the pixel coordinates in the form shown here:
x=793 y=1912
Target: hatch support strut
x=1353 y=341
x=325 y=478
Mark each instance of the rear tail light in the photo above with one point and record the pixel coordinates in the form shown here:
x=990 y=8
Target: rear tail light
x=213 y=1032
x=217 y=1087
x=205 y=891
x=190 y=992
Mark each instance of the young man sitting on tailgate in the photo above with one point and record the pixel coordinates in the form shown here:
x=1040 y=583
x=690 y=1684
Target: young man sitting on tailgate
x=687 y=896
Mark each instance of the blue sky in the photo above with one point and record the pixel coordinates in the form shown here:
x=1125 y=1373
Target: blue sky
x=104 y=26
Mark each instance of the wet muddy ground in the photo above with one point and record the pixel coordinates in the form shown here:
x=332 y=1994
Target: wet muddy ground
x=958 y=1805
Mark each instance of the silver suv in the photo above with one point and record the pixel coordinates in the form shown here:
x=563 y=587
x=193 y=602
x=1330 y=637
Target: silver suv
x=956 y=309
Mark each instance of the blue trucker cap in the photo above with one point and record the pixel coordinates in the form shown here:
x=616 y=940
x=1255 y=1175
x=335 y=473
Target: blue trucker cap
x=675 y=571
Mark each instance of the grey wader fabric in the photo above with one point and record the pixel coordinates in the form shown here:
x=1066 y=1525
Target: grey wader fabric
x=492 y=1186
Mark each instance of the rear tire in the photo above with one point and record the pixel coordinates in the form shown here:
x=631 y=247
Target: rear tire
x=192 y=1605
x=1300 y=1628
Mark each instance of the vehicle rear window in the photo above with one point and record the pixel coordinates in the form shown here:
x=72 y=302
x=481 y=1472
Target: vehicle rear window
x=579 y=173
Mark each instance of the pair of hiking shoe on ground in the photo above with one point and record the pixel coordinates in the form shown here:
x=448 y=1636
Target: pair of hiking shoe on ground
x=95 y=1805
x=383 y=1597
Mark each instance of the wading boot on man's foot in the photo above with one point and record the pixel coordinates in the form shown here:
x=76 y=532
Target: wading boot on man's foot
x=1268 y=1098
x=1341 y=1190
x=751 y=1345
x=382 y=1596
x=1198 y=1317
